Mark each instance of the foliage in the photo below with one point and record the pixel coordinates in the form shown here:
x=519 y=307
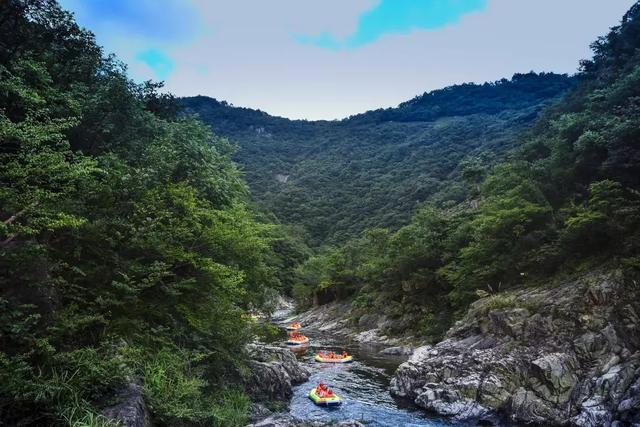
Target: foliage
x=129 y=250
x=122 y=226
x=176 y=393
x=268 y=332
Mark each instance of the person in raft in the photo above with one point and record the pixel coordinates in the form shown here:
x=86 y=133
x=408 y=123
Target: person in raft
x=332 y=355
x=323 y=391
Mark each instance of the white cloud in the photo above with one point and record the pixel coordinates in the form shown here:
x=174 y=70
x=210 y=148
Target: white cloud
x=251 y=58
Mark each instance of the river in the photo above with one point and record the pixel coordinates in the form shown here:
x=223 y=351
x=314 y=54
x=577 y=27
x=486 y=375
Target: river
x=363 y=386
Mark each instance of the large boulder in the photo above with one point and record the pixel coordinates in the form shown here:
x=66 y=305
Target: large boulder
x=561 y=354
x=130 y=409
x=273 y=372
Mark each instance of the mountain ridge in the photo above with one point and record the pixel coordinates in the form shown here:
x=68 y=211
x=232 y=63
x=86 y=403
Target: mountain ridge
x=395 y=158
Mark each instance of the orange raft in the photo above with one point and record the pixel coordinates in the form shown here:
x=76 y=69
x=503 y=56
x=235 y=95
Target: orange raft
x=293 y=326
x=297 y=339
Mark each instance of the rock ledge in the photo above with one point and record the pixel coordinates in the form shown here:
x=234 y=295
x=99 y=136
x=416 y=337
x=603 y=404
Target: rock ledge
x=556 y=355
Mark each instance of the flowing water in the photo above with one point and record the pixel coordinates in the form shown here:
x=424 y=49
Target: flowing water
x=363 y=385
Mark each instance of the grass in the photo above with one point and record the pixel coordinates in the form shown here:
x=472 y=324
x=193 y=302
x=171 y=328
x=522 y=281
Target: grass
x=178 y=393
x=231 y=409
x=82 y=417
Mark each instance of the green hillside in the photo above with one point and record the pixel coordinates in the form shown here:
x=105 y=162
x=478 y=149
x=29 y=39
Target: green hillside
x=137 y=246
x=373 y=169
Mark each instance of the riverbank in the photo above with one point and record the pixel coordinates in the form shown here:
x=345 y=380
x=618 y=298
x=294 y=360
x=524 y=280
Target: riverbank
x=368 y=329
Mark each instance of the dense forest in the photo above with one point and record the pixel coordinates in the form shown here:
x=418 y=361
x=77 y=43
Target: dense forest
x=127 y=248
x=338 y=178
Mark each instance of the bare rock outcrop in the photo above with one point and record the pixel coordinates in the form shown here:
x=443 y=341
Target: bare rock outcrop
x=340 y=319
x=282 y=420
x=130 y=409
x=555 y=355
x=273 y=372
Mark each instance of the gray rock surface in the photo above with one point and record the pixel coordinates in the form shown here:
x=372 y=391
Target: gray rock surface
x=561 y=354
x=130 y=411
x=273 y=371
x=397 y=351
x=368 y=329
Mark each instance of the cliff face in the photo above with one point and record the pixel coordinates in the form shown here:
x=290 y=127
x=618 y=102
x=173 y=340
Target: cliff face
x=559 y=354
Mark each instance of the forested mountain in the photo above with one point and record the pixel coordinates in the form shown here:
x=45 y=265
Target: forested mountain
x=337 y=178
x=568 y=199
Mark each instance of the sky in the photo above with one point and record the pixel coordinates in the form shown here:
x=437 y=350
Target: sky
x=328 y=59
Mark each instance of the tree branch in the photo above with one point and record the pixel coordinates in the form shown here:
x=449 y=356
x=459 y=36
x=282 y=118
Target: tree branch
x=17 y=215
x=8 y=240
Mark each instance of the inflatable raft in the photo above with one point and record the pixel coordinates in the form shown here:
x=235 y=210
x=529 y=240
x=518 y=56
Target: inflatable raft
x=333 y=400
x=297 y=341
x=325 y=359
x=293 y=326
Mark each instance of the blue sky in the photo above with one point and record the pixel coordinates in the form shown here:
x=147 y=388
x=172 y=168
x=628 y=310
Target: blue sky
x=332 y=58
x=397 y=17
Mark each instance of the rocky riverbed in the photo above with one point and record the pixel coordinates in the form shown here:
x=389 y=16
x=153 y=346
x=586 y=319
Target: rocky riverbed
x=364 y=385
x=565 y=354
x=369 y=329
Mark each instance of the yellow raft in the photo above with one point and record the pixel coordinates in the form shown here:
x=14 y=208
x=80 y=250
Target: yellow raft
x=321 y=359
x=304 y=340
x=334 y=400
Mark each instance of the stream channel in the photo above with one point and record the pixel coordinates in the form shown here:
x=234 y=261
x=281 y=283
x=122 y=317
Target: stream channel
x=363 y=385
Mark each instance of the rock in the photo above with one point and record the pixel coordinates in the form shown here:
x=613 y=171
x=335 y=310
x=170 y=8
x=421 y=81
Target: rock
x=509 y=322
x=273 y=371
x=397 y=351
x=614 y=386
x=283 y=308
x=339 y=319
x=552 y=376
x=526 y=405
x=131 y=410
x=367 y=321
x=629 y=406
x=557 y=355
x=259 y=412
x=276 y=421
x=450 y=403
